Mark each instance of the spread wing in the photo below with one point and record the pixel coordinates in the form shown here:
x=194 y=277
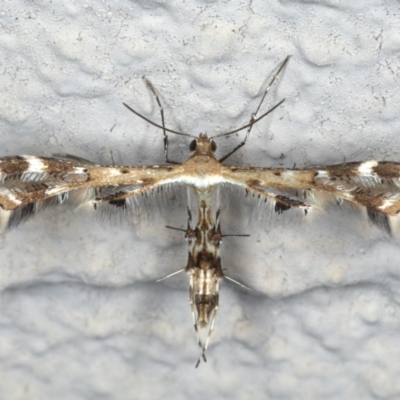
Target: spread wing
x=29 y=184
x=371 y=184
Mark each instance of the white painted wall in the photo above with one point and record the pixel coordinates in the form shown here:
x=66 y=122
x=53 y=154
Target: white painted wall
x=80 y=314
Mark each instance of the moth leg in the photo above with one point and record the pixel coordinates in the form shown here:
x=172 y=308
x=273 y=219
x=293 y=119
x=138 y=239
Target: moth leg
x=253 y=115
x=151 y=87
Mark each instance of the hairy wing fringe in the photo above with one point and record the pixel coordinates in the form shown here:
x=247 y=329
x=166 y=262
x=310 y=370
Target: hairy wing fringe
x=11 y=219
x=139 y=206
x=303 y=202
x=253 y=206
x=143 y=205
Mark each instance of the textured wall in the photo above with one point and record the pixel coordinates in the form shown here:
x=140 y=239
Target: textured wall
x=81 y=316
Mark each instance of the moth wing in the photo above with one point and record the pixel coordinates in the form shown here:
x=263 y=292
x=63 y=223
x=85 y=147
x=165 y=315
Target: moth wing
x=30 y=184
x=372 y=185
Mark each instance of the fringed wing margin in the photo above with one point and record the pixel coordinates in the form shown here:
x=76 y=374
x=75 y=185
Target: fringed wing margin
x=372 y=185
x=31 y=184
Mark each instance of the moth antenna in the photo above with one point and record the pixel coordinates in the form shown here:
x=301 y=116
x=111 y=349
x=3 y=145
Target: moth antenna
x=250 y=125
x=156 y=125
x=252 y=120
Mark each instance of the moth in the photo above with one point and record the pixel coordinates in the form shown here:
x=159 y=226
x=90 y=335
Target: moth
x=29 y=184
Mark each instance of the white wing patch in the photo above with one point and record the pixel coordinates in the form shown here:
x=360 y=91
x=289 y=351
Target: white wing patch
x=35 y=164
x=367 y=168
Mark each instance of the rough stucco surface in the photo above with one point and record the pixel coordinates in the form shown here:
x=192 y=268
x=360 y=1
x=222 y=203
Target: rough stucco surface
x=81 y=316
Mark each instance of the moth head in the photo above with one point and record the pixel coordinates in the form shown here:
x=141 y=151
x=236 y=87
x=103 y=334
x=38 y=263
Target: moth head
x=202 y=143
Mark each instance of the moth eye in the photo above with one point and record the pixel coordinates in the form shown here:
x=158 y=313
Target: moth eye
x=193 y=145
x=213 y=145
